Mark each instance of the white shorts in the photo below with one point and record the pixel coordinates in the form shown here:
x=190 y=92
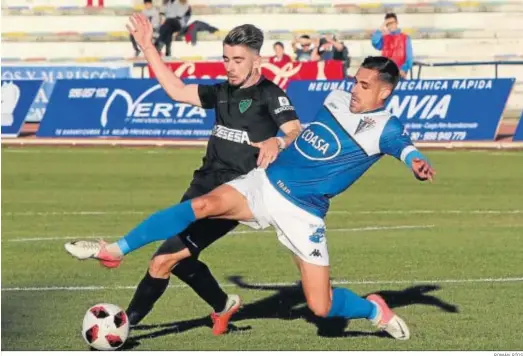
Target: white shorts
x=298 y=230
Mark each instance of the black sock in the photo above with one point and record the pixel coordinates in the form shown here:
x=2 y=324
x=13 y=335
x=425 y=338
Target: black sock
x=197 y=275
x=148 y=292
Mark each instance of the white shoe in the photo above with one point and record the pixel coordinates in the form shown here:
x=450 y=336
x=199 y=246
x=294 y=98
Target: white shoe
x=83 y=249
x=387 y=320
x=93 y=249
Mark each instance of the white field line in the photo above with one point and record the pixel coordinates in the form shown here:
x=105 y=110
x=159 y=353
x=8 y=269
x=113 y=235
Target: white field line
x=61 y=213
x=407 y=212
x=78 y=150
x=275 y=284
x=245 y=232
x=333 y=212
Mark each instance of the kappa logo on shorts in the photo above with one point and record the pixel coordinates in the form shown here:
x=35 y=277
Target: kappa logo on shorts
x=244 y=105
x=315 y=253
x=318 y=236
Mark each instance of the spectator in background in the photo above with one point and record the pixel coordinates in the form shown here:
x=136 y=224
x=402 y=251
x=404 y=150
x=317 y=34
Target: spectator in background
x=280 y=58
x=327 y=47
x=191 y=32
x=154 y=17
x=176 y=14
x=303 y=48
x=394 y=44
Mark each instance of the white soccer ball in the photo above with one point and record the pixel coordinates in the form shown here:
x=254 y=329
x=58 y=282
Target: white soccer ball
x=105 y=327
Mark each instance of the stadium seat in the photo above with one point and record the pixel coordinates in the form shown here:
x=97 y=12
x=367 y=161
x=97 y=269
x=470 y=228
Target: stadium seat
x=110 y=21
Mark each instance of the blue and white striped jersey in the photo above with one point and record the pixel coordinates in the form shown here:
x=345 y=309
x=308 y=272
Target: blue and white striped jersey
x=336 y=149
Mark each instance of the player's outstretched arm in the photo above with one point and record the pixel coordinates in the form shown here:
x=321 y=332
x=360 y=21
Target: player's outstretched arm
x=396 y=142
x=142 y=31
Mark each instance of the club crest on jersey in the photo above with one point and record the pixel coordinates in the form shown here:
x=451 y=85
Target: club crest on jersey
x=318 y=142
x=244 y=105
x=365 y=124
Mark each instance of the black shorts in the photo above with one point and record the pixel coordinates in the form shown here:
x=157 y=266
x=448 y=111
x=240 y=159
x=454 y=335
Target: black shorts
x=201 y=233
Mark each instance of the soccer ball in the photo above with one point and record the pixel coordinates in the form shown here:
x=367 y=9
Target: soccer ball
x=105 y=327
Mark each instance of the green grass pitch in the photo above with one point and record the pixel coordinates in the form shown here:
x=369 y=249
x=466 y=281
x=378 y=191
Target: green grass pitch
x=447 y=256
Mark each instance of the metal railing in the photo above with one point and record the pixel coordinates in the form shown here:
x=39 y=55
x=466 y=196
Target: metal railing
x=496 y=65
x=142 y=66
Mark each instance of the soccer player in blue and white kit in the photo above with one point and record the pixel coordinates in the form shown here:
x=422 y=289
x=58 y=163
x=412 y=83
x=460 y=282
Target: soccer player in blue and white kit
x=349 y=134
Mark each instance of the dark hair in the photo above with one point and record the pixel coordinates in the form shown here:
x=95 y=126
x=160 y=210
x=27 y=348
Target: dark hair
x=307 y=37
x=391 y=15
x=387 y=69
x=246 y=35
x=278 y=44
x=147 y=1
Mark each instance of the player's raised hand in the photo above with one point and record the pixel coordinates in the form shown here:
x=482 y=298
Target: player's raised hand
x=422 y=170
x=269 y=150
x=142 y=30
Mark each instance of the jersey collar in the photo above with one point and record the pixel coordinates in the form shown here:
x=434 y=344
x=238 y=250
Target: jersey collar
x=374 y=111
x=380 y=109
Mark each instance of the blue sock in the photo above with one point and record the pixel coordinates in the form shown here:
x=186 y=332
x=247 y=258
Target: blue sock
x=159 y=226
x=349 y=305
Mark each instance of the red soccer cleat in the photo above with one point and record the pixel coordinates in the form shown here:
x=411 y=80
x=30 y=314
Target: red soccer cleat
x=221 y=320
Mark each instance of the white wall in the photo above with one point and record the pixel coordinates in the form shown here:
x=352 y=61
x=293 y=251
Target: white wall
x=450 y=49
x=487 y=21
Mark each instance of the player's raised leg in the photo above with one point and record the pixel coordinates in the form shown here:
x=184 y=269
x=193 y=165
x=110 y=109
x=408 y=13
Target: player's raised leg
x=223 y=202
x=304 y=234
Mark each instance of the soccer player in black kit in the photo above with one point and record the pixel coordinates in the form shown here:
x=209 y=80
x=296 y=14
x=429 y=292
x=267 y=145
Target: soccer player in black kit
x=249 y=111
